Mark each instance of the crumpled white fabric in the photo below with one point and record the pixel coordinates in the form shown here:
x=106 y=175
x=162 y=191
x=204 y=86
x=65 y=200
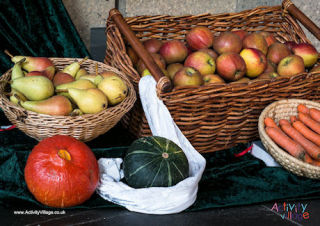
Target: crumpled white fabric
x=154 y=200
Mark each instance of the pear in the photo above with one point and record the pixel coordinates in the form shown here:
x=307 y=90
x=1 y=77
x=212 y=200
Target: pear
x=61 y=78
x=33 y=63
x=96 y=79
x=17 y=71
x=55 y=105
x=74 y=67
x=89 y=101
x=34 y=87
x=81 y=72
x=13 y=96
x=76 y=112
x=114 y=88
x=78 y=84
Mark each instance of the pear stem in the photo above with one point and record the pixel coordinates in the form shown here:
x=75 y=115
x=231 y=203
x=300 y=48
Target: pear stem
x=8 y=53
x=61 y=90
x=97 y=69
x=4 y=81
x=6 y=93
x=83 y=60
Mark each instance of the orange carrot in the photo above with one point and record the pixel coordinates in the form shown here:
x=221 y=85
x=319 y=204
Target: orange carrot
x=308 y=121
x=281 y=139
x=270 y=122
x=315 y=114
x=312 y=149
x=284 y=122
x=303 y=109
x=307 y=133
x=293 y=118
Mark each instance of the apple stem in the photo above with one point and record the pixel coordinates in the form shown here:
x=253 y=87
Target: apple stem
x=8 y=53
x=83 y=60
x=64 y=154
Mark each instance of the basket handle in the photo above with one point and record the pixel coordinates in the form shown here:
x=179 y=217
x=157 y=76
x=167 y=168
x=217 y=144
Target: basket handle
x=299 y=15
x=163 y=83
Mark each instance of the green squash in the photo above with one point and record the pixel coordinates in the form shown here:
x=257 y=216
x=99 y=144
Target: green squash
x=154 y=162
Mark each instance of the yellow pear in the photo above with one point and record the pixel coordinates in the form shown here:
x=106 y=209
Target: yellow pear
x=114 y=88
x=78 y=84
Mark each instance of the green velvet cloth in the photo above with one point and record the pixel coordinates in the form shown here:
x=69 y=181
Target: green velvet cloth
x=37 y=28
x=227 y=180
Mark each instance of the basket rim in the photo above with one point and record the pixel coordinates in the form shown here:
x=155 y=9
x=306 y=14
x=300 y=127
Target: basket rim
x=131 y=95
x=261 y=128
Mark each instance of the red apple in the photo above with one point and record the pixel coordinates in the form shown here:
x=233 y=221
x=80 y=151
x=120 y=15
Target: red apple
x=152 y=45
x=256 y=41
x=61 y=78
x=173 y=51
x=268 y=75
x=173 y=68
x=290 y=65
x=270 y=39
x=201 y=61
x=212 y=78
x=34 y=73
x=211 y=52
x=158 y=59
x=231 y=66
x=277 y=51
x=187 y=76
x=227 y=42
x=61 y=172
x=256 y=61
x=308 y=53
x=199 y=37
x=290 y=44
x=240 y=33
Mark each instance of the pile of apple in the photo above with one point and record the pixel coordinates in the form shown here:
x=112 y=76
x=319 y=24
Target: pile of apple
x=36 y=85
x=235 y=56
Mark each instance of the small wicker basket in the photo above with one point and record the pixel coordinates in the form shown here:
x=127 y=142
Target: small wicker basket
x=83 y=127
x=283 y=109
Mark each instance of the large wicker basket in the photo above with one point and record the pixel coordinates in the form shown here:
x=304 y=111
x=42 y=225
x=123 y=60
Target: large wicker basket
x=283 y=109
x=213 y=117
x=83 y=127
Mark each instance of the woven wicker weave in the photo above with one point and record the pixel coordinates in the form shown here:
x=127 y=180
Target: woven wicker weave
x=213 y=117
x=84 y=127
x=283 y=109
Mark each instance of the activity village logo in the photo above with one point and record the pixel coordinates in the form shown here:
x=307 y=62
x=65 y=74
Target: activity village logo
x=292 y=211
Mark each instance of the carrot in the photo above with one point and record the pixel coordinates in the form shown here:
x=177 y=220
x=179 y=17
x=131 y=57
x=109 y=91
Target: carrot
x=315 y=114
x=312 y=149
x=308 y=121
x=281 y=139
x=311 y=161
x=293 y=118
x=303 y=109
x=269 y=122
x=307 y=133
x=284 y=122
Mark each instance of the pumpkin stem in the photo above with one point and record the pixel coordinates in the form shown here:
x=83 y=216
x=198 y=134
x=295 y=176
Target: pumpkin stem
x=64 y=154
x=165 y=155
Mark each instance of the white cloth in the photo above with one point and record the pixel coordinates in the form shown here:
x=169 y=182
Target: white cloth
x=259 y=151
x=154 y=200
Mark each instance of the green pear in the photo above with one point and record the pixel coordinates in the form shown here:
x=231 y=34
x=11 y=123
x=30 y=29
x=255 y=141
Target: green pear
x=76 y=112
x=78 y=84
x=55 y=105
x=34 y=87
x=73 y=68
x=89 y=101
x=80 y=73
x=114 y=88
x=13 y=96
x=17 y=71
x=96 y=79
x=33 y=63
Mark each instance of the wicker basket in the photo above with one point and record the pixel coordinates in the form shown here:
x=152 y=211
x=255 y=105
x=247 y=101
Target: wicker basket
x=213 y=117
x=84 y=127
x=283 y=109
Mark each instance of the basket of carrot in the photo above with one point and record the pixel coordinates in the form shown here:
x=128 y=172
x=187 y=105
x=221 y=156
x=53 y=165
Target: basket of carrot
x=290 y=131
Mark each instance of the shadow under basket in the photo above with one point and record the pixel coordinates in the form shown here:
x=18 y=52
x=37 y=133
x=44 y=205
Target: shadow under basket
x=283 y=109
x=83 y=127
x=216 y=116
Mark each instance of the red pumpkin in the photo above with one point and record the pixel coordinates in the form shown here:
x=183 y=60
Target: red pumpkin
x=61 y=171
